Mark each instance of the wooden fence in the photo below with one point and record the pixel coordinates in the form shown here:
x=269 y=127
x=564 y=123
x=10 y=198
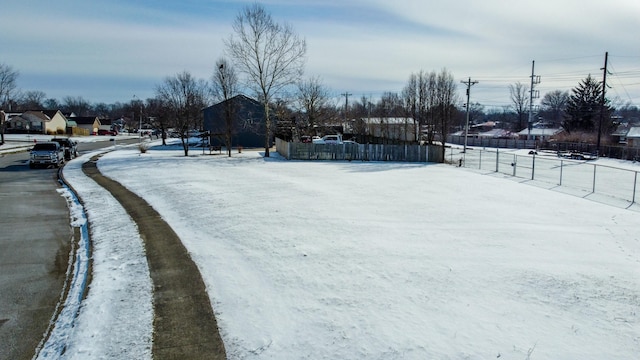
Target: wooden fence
x=359 y=152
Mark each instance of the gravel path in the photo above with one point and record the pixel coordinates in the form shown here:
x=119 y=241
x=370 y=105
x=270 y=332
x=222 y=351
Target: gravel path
x=184 y=326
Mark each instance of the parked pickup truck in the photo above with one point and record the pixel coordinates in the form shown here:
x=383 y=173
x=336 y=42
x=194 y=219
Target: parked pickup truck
x=329 y=139
x=70 y=147
x=46 y=153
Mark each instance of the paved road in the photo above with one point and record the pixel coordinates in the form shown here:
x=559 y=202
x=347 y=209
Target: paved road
x=35 y=236
x=34 y=247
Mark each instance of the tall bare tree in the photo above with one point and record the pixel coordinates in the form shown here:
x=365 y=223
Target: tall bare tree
x=271 y=55
x=415 y=102
x=77 y=105
x=313 y=102
x=161 y=115
x=225 y=87
x=185 y=97
x=430 y=98
x=32 y=100
x=8 y=89
x=519 y=102
x=554 y=103
x=389 y=106
x=446 y=98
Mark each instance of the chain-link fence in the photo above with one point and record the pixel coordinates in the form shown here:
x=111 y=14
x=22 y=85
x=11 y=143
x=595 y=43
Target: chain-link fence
x=550 y=168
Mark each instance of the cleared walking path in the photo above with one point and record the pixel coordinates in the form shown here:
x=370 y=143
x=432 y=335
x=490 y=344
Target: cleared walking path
x=184 y=325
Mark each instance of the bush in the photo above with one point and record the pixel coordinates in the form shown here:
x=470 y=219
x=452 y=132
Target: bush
x=143 y=147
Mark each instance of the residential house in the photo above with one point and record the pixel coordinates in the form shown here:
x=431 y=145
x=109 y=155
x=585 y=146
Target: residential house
x=106 y=125
x=497 y=134
x=633 y=137
x=247 y=129
x=49 y=122
x=539 y=134
x=90 y=124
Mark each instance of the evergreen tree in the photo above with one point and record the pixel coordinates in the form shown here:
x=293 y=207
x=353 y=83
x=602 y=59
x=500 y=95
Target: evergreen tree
x=584 y=107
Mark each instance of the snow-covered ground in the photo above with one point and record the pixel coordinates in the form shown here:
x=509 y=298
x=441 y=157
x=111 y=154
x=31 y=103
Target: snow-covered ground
x=353 y=260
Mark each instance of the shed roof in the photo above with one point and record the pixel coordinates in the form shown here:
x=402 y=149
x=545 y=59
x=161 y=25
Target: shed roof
x=634 y=132
x=540 y=132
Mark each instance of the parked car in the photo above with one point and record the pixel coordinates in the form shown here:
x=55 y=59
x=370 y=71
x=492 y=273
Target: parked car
x=46 y=153
x=70 y=147
x=329 y=139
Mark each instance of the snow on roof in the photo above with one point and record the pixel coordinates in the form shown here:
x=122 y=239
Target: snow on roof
x=634 y=132
x=540 y=132
x=387 y=120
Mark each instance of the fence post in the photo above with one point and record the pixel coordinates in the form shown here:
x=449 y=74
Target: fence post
x=514 y=164
x=533 y=166
x=561 y=165
x=635 y=181
x=593 y=190
x=497 y=156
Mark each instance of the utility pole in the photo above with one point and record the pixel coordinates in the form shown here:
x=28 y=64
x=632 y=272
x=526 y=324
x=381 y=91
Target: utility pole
x=469 y=83
x=533 y=94
x=346 y=108
x=134 y=114
x=603 y=101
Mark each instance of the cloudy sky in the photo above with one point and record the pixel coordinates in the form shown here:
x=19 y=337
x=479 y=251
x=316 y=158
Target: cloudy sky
x=111 y=50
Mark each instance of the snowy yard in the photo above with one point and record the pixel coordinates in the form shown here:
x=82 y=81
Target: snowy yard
x=340 y=260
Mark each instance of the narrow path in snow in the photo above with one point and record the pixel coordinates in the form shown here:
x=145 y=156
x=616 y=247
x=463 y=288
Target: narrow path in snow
x=184 y=325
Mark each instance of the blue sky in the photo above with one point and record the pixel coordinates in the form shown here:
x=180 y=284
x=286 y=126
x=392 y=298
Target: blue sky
x=108 y=51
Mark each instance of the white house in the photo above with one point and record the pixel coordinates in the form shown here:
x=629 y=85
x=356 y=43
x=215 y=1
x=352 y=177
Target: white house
x=539 y=134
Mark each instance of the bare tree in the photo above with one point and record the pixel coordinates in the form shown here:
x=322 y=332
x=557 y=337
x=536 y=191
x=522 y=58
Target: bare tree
x=313 y=102
x=3 y=117
x=430 y=98
x=225 y=87
x=8 y=88
x=388 y=107
x=270 y=54
x=520 y=102
x=412 y=101
x=445 y=109
x=52 y=104
x=161 y=115
x=184 y=97
x=101 y=110
x=77 y=105
x=554 y=103
x=33 y=100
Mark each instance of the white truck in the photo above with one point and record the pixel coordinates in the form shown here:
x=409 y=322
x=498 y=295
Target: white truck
x=329 y=139
x=46 y=153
